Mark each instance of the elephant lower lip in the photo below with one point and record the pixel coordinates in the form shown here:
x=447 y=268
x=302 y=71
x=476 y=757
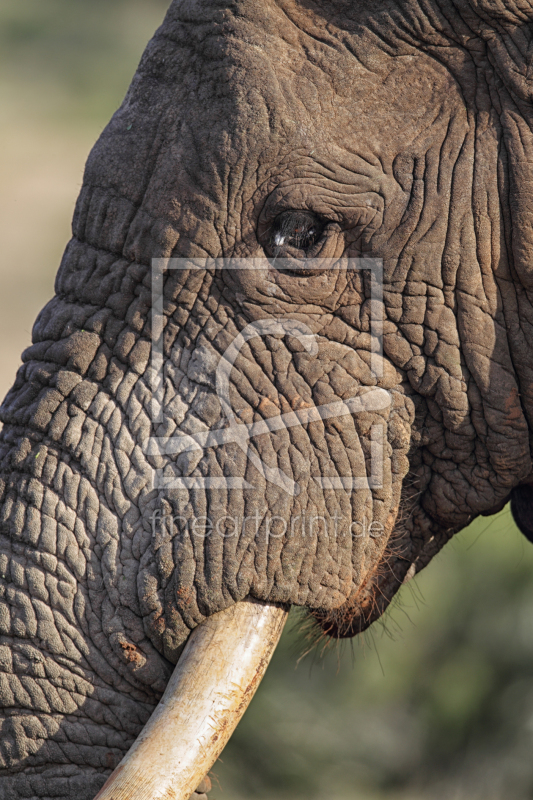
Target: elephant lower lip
x=218 y=673
x=372 y=598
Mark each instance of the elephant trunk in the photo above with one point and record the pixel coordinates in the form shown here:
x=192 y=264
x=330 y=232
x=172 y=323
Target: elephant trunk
x=216 y=677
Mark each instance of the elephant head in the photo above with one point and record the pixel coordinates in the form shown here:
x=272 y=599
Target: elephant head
x=288 y=356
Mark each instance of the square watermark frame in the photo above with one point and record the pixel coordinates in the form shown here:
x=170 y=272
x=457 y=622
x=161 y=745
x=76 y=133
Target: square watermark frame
x=239 y=432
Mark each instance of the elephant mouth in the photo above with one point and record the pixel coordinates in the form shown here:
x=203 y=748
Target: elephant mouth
x=373 y=596
x=367 y=604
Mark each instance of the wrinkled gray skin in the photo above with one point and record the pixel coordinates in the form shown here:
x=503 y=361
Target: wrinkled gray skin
x=405 y=127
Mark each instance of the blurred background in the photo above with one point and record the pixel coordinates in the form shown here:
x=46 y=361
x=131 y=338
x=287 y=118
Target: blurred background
x=437 y=700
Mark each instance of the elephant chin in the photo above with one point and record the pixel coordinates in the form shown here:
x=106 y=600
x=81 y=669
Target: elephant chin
x=216 y=677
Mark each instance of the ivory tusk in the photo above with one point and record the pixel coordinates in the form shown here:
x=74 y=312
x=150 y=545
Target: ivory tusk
x=217 y=675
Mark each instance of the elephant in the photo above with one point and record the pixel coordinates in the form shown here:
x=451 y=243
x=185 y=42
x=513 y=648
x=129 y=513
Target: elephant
x=287 y=359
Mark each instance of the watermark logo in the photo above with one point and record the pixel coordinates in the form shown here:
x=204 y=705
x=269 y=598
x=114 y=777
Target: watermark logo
x=236 y=431
x=303 y=526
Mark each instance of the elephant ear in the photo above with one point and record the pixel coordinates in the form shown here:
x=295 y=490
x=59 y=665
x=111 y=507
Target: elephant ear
x=506 y=28
x=502 y=51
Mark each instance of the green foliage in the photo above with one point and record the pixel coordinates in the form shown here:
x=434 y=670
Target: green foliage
x=74 y=58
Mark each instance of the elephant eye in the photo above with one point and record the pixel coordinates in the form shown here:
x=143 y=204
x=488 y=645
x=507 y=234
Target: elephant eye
x=299 y=230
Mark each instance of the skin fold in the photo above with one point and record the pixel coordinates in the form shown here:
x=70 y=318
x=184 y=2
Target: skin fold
x=398 y=131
